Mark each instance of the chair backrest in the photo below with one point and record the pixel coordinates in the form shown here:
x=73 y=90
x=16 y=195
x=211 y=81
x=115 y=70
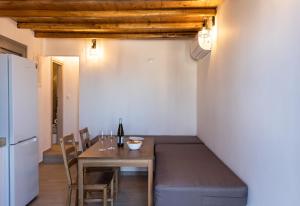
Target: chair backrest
x=85 y=138
x=70 y=153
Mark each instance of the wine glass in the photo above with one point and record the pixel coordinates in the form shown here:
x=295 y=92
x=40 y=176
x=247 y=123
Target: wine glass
x=102 y=142
x=111 y=142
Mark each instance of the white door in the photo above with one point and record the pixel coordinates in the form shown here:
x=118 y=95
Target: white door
x=23 y=99
x=24 y=177
x=4 y=165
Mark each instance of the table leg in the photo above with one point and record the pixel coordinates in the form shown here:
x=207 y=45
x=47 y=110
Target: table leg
x=80 y=183
x=150 y=183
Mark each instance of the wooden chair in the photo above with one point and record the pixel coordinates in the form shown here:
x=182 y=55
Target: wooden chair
x=95 y=182
x=86 y=142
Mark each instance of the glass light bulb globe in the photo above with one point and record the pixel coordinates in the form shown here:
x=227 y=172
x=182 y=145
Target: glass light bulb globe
x=205 y=39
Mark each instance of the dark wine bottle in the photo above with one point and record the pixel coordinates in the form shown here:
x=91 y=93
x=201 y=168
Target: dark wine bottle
x=120 y=134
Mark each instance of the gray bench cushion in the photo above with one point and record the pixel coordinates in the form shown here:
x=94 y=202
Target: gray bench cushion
x=190 y=174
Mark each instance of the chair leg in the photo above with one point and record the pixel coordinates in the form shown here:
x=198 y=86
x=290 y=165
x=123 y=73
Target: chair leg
x=105 y=196
x=112 y=192
x=116 y=181
x=69 y=197
x=76 y=198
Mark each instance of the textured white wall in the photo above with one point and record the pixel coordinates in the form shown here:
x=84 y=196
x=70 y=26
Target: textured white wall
x=70 y=98
x=151 y=84
x=24 y=36
x=249 y=97
x=45 y=104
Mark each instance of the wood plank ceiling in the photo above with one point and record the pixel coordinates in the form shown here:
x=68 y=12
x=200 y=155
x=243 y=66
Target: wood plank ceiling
x=124 y=19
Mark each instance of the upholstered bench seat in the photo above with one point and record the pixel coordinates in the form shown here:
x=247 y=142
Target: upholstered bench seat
x=190 y=174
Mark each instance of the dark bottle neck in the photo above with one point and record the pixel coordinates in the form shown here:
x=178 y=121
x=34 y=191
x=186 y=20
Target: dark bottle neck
x=120 y=130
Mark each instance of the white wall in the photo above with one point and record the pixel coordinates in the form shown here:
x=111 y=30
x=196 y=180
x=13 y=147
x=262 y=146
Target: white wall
x=70 y=98
x=24 y=36
x=151 y=84
x=249 y=97
x=70 y=72
x=45 y=103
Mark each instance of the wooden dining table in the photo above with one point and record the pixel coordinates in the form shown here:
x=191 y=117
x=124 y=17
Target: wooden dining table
x=117 y=157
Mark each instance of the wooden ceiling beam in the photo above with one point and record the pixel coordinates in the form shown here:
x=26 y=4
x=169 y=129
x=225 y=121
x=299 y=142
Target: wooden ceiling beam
x=118 y=31
x=89 y=5
x=164 y=19
x=113 y=28
x=108 y=14
x=181 y=35
x=123 y=19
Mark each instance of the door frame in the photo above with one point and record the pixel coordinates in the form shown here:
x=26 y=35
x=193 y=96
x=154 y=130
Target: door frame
x=9 y=46
x=54 y=61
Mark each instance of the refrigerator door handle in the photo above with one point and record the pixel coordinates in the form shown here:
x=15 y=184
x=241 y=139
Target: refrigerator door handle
x=31 y=138
x=2 y=141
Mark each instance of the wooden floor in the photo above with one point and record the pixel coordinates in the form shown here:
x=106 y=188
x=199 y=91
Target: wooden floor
x=133 y=189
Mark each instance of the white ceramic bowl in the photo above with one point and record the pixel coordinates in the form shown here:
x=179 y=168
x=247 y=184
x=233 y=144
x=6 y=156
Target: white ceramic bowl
x=136 y=138
x=134 y=146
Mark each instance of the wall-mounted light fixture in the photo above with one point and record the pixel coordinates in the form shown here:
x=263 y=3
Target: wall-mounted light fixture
x=94 y=50
x=203 y=42
x=205 y=35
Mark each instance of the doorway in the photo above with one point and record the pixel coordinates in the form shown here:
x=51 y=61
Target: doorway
x=57 y=102
x=60 y=110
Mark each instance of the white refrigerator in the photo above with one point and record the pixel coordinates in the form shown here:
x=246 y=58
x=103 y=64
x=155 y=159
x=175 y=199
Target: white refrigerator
x=18 y=128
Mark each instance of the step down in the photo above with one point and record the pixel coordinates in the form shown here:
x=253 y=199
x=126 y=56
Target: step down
x=53 y=155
